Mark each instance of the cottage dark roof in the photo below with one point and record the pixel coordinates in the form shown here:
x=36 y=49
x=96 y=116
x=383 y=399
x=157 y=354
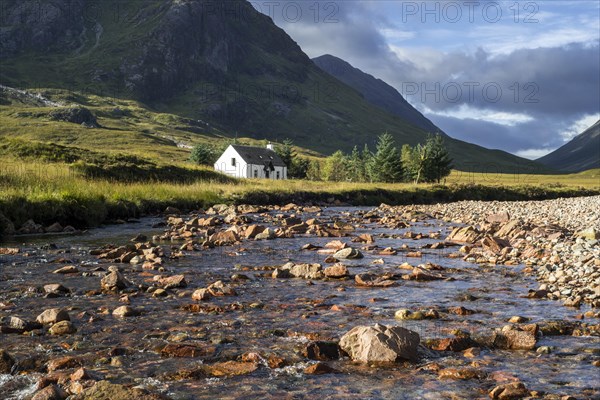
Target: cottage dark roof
x=258 y=155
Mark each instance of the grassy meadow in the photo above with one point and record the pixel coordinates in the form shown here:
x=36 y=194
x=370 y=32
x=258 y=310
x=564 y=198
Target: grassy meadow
x=58 y=192
x=135 y=162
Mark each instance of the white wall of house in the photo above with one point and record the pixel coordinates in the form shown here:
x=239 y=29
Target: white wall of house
x=230 y=163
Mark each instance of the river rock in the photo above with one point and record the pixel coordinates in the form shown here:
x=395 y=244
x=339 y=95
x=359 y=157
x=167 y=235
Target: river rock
x=336 y=271
x=52 y=316
x=30 y=227
x=467 y=234
x=509 y=391
x=321 y=350
x=230 y=368
x=348 y=253
x=62 y=328
x=201 y=295
x=54 y=228
x=305 y=271
x=171 y=282
x=512 y=338
x=380 y=343
x=125 y=311
x=224 y=238
x=51 y=392
x=17 y=325
x=65 y=362
x=372 y=280
x=253 y=230
x=455 y=344
x=56 y=289
x=83 y=374
x=267 y=234
x=69 y=269
x=319 y=369
x=6 y=362
x=590 y=233
x=219 y=288
x=114 y=281
x=104 y=390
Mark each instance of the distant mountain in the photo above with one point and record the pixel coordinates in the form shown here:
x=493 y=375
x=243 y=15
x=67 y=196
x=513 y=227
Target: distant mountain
x=580 y=154
x=467 y=156
x=223 y=66
x=375 y=91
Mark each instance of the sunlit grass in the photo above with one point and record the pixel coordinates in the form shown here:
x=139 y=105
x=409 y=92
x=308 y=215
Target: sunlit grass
x=49 y=192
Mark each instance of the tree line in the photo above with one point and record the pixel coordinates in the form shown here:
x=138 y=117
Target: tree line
x=427 y=162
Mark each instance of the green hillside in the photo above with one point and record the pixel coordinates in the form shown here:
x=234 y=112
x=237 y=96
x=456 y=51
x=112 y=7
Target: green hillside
x=191 y=72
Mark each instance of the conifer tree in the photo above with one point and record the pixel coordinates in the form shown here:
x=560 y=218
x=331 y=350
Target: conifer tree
x=386 y=164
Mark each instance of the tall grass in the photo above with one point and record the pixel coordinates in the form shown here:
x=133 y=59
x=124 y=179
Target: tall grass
x=49 y=193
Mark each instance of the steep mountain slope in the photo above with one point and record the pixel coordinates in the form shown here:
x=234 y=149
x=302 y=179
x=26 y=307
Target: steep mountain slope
x=382 y=95
x=222 y=66
x=580 y=154
x=374 y=90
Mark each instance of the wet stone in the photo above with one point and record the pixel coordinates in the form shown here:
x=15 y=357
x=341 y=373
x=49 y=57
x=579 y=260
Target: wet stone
x=509 y=391
x=52 y=392
x=6 y=362
x=319 y=369
x=320 y=350
x=380 y=344
x=52 y=316
x=62 y=328
x=348 y=253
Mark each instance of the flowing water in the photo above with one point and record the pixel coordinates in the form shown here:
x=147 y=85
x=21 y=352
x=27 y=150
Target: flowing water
x=278 y=316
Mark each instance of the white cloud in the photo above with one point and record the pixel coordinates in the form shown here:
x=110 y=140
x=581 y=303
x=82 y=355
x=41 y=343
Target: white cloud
x=579 y=126
x=496 y=117
x=533 y=154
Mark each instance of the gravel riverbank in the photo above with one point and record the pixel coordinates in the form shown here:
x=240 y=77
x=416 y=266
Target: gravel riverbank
x=558 y=238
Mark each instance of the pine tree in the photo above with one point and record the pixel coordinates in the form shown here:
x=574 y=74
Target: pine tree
x=356 y=168
x=407 y=156
x=367 y=159
x=386 y=164
x=286 y=153
x=440 y=163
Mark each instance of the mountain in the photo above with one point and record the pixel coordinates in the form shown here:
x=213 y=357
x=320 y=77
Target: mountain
x=375 y=91
x=580 y=154
x=384 y=96
x=222 y=67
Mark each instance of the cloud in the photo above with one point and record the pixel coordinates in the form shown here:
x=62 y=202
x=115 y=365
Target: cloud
x=525 y=87
x=579 y=126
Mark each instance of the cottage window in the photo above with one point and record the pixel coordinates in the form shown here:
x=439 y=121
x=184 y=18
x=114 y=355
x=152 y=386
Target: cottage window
x=277 y=174
x=233 y=162
x=256 y=173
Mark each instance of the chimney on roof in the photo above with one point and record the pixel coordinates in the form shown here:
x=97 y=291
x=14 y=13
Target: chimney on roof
x=270 y=146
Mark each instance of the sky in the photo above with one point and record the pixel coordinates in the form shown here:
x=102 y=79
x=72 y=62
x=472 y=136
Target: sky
x=520 y=76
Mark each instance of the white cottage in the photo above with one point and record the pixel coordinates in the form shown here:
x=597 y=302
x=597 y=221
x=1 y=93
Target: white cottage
x=251 y=162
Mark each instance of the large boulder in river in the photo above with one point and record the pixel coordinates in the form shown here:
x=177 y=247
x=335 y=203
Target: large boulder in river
x=380 y=344
x=114 y=281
